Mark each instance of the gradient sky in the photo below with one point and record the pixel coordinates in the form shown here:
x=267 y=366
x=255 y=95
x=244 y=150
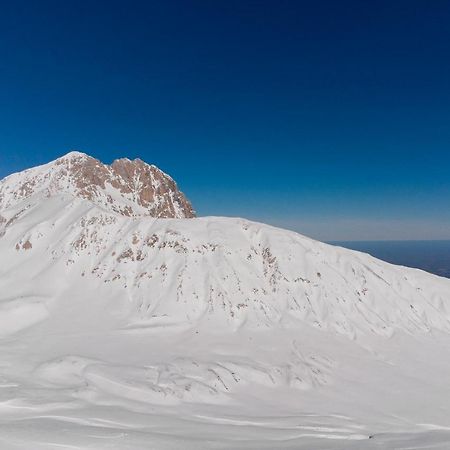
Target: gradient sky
x=331 y=118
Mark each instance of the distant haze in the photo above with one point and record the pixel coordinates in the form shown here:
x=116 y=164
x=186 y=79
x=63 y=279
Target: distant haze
x=332 y=229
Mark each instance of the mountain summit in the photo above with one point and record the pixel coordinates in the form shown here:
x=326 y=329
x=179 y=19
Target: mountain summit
x=130 y=188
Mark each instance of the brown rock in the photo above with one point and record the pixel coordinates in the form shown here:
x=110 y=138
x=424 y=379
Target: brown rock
x=130 y=188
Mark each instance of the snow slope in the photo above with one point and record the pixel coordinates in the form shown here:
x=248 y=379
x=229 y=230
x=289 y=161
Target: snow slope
x=127 y=331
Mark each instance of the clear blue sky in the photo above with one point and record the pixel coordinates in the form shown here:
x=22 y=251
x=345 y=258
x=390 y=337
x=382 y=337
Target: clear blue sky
x=328 y=117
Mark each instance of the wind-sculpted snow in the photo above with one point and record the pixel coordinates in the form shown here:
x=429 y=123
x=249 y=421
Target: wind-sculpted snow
x=139 y=333
x=20 y=313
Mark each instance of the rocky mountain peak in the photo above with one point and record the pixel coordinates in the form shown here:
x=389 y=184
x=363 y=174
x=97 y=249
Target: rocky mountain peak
x=131 y=188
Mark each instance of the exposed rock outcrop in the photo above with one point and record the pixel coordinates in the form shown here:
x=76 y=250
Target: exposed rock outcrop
x=130 y=188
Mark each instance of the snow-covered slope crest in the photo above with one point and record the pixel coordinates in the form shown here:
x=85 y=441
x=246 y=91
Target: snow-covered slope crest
x=231 y=273
x=130 y=188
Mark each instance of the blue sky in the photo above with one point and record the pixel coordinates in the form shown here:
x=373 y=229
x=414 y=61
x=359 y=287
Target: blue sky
x=329 y=118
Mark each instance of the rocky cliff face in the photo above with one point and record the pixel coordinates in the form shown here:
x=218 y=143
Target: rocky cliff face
x=130 y=188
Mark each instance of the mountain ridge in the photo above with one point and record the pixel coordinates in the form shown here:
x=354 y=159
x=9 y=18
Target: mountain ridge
x=131 y=188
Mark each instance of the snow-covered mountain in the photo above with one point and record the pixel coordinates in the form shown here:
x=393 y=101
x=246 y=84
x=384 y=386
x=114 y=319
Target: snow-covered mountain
x=138 y=326
x=130 y=188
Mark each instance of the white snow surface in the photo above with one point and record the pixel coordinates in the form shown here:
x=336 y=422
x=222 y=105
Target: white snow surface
x=211 y=333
